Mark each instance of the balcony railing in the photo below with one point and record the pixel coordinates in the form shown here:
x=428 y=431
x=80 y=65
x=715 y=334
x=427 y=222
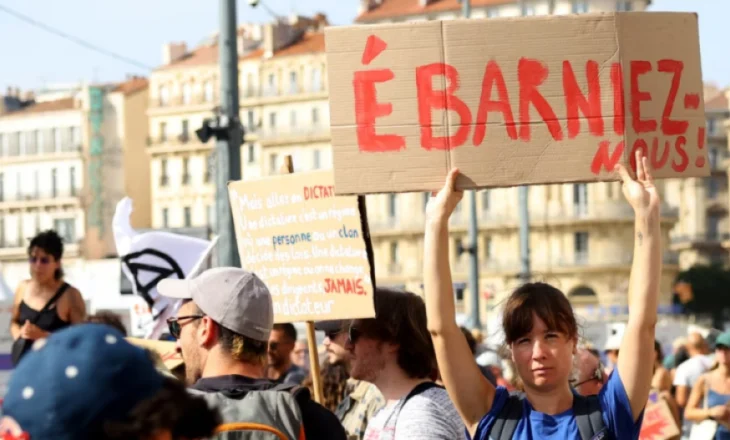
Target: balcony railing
x=700 y=238
x=10 y=244
x=199 y=98
x=586 y=259
x=272 y=92
x=47 y=147
x=41 y=195
x=179 y=139
x=397 y=223
x=583 y=260
x=294 y=132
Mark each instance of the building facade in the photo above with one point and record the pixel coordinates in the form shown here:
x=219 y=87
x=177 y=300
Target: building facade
x=702 y=234
x=284 y=110
x=65 y=162
x=581 y=235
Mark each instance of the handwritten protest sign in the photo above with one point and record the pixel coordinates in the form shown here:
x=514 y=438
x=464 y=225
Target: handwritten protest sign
x=658 y=424
x=307 y=245
x=514 y=101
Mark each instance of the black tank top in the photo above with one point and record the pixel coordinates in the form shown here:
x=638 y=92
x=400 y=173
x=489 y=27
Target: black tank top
x=48 y=320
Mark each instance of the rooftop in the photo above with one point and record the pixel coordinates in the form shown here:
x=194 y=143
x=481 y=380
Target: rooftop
x=133 y=85
x=310 y=42
x=44 y=107
x=400 y=8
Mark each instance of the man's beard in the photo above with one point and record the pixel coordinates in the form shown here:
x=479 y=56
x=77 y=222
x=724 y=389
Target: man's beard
x=193 y=369
x=367 y=370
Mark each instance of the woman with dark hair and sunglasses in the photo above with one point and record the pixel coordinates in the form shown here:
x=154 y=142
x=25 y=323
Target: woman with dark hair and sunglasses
x=45 y=303
x=541 y=332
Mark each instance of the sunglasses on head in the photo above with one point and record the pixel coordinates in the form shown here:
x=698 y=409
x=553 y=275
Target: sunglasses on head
x=41 y=260
x=174 y=326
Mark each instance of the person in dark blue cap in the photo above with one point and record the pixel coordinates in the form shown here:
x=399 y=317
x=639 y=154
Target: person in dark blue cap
x=88 y=382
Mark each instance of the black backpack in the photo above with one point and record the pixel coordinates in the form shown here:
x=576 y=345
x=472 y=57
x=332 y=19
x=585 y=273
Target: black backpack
x=587 y=412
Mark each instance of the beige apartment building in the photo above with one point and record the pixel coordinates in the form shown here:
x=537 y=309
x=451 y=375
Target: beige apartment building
x=284 y=110
x=702 y=235
x=581 y=236
x=67 y=156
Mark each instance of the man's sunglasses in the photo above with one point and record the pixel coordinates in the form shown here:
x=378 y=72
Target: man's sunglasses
x=173 y=324
x=353 y=335
x=332 y=334
x=597 y=375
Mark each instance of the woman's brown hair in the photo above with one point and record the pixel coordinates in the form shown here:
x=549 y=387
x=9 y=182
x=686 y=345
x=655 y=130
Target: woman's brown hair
x=543 y=300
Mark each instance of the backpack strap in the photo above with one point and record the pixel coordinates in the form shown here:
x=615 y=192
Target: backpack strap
x=54 y=299
x=506 y=423
x=588 y=416
x=420 y=388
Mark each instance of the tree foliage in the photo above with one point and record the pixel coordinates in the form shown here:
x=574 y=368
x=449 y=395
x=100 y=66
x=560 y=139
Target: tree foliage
x=710 y=287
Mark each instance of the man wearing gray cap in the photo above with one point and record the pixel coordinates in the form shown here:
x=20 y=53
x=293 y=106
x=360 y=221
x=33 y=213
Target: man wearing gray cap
x=223 y=329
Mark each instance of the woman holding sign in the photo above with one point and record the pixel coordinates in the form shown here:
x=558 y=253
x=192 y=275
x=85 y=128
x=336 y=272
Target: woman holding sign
x=541 y=332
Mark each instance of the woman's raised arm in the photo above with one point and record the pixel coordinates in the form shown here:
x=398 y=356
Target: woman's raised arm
x=636 y=355
x=470 y=391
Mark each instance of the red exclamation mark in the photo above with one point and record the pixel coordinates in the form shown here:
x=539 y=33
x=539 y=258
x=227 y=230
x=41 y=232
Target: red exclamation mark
x=700 y=161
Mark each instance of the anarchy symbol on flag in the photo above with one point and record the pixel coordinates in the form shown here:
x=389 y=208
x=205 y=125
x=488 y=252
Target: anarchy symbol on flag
x=151 y=256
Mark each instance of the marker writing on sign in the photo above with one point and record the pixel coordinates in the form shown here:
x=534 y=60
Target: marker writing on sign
x=667 y=136
x=346 y=286
x=318 y=192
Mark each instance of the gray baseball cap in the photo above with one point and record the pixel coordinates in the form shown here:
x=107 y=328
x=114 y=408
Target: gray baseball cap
x=234 y=298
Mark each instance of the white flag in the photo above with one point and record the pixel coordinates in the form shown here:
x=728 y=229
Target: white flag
x=149 y=257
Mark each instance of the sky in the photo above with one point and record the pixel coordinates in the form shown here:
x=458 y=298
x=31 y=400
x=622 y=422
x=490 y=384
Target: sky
x=137 y=30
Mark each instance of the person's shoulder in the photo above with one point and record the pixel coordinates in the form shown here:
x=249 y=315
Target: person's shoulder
x=20 y=291
x=616 y=408
x=319 y=422
x=432 y=397
x=73 y=293
x=501 y=398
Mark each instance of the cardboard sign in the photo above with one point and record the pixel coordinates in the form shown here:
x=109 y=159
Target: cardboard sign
x=307 y=245
x=513 y=101
x=658 y=424
x=166 y=349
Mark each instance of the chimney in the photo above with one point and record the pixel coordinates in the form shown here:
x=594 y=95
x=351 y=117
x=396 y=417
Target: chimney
x=369 y=5
x=172 y=52
x=241 y=43
x=276 y=36
x=268 y=40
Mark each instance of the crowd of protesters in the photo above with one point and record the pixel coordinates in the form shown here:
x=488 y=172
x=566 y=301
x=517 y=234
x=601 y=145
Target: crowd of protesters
x=408 y=373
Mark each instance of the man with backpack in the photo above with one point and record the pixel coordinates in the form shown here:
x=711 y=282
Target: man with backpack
x=223 y=329
x=394 y=351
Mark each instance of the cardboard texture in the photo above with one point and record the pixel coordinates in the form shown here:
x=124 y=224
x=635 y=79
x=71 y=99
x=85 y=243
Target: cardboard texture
x=306 y=244
x=658 y=424
x=166 y=349
x=514 y=101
